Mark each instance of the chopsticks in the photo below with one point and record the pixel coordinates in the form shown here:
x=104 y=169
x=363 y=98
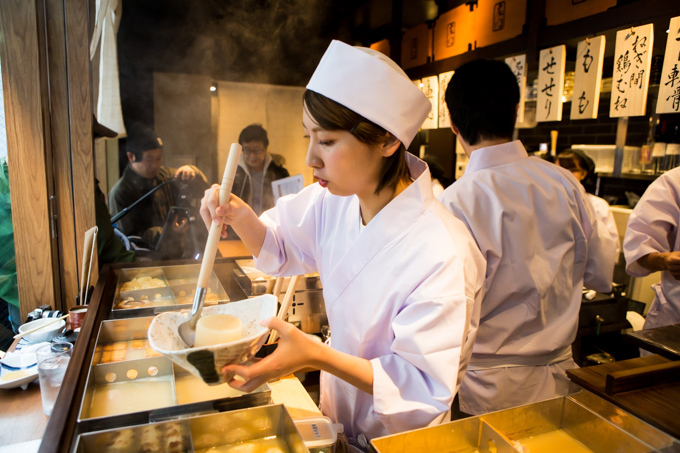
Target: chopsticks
x=285 y=305
x=20 y=335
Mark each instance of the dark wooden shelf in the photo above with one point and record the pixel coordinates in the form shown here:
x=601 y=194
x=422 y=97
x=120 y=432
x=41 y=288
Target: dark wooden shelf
x=537 y=35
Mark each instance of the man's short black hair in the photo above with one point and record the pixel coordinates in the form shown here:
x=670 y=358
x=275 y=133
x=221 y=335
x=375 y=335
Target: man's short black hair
x=252 y=133
x=141 y=138
x=482 y=97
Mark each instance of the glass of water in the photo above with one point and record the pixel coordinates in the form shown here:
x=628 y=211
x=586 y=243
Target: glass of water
x=53 y=359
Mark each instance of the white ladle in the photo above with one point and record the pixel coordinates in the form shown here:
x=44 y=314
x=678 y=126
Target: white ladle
x=187 y=330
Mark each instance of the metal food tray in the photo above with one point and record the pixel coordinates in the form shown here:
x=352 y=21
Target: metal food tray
x=255 y=283
x=177 y=294
x=151 y=369
x=584 y=417
x=154 y=297
x=258 y=424
x=182 y=280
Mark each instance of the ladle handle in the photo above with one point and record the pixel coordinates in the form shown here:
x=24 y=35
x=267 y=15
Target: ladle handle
x=216 y=228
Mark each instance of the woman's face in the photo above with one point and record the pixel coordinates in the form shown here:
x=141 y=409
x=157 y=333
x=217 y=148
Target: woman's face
x=341 y=163
x=579 y=173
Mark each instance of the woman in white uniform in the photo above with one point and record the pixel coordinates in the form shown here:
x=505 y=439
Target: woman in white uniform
x=583 y=168
x=401 y=277
x=652 y=244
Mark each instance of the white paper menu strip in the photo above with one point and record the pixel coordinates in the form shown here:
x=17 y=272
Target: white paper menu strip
x=550 y=83
x=589 y=60
x=430 y=86
x=669 y=87
x=418 y=83
x=444 y=79
x=632 y=62
x=518 y=66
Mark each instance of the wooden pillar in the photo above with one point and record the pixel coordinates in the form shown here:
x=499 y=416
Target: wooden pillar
x=24 y=87
x=68 y=32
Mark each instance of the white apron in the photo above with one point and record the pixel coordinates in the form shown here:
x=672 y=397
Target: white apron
x=403 y=293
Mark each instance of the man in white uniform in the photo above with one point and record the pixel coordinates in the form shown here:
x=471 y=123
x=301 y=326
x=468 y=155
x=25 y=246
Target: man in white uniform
x=402 y=278
x=652 y=243
x=541 y=239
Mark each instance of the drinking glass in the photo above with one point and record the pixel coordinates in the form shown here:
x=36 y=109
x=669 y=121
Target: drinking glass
x=53 y=359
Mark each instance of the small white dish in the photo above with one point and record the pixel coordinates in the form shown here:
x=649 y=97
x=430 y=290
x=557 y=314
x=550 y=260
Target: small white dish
x=44 y=334
x=207 y=362
x=18 y=370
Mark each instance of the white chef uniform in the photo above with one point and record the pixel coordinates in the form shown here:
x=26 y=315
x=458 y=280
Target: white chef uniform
x=604 y=213
x=403 y=292
x=542 y=242
x=654 y=227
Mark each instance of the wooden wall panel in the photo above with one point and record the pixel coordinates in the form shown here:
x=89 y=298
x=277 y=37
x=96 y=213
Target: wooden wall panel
x=24 y=101
x=80 y=127
x=61 y=150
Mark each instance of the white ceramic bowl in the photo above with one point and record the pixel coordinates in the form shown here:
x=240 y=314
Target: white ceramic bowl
x=206 y=362
x=44 y=334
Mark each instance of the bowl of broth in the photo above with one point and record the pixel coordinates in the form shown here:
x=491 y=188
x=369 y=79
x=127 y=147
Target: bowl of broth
x=225 y=334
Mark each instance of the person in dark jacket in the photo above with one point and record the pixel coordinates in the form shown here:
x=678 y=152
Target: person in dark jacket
x=256 y=170
x=144 y=172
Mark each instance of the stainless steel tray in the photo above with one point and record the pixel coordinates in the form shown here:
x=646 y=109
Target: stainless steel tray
x=111 y=378
x=596 y=424
x=177 y=292
x=255 y=283
x=258 y=426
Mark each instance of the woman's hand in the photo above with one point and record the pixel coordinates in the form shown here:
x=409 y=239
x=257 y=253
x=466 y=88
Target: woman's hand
x=295 y=351
x=211 y=211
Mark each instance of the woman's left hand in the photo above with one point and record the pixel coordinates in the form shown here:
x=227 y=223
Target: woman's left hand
x=294 y=352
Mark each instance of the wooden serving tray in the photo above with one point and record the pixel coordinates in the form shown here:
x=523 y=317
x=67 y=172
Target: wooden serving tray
x=652 y=401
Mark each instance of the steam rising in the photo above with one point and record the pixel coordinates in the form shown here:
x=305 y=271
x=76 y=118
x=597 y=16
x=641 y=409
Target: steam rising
x=275 y=41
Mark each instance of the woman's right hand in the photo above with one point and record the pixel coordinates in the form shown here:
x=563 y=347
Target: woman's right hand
x=231 y=213
x=295 y=351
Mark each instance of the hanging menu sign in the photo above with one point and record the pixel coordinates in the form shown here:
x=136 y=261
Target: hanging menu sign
x=669 y=87
x=586 y=97
x=550 y=83
x=430 y=86
x=444 y=120
x=632 y=62
x=518 y=65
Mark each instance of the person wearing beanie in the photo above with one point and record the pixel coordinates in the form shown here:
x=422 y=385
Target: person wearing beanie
x=144 y=172
x=583 y=168
x=256 y=170
x=402 y=278
x=540 y=236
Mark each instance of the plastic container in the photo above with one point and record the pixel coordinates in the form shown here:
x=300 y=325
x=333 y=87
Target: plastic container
x=318 y=434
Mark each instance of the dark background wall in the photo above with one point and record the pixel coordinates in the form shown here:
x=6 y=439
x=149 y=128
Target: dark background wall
x=275 y=42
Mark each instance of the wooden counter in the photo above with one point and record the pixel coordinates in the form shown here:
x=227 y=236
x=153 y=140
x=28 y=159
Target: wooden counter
x=655 y=404
x=21 y=418
x=660 y=340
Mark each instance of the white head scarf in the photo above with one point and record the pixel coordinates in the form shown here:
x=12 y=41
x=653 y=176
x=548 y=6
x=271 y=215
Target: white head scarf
x=372 y=85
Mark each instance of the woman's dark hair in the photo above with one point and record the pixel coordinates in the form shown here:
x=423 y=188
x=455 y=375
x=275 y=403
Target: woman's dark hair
x=482 y=98
x=332 y=116
x=576 y=159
